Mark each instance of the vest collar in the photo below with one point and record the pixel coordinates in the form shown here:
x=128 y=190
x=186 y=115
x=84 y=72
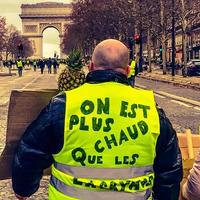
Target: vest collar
x=101 y=76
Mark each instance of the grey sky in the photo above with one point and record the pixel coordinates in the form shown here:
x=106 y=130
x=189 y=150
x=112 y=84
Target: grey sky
x=11 y=9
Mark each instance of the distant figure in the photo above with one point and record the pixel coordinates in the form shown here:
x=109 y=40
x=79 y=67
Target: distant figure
x=19 y=64
x=1 y=64
x=9 y=65
x=132 y=73
x=34 y=65
x=55 y=66
x=58 y=63
x=42 y=65
x=28 y=63
x=49 y=64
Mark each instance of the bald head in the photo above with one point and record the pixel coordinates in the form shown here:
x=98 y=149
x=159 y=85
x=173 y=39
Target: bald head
x=110 y=54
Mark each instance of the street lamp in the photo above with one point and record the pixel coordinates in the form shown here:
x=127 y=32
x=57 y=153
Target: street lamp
x=20 y=49
x=131 y=44
x=173 y=40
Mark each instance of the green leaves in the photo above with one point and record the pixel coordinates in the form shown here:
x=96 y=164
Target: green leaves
x=74 y=59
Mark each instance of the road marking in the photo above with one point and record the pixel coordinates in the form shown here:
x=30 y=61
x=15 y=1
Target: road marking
x=3 y=93
x=197 y=108
x=30 y=83
x=160 y=96
x=7 y=99
x=140 y=86
x=181 y=103
x=4 y=102
x=190 y=101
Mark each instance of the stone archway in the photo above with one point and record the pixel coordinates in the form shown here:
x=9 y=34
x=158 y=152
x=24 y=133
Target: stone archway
x=38 y=17
x=51 y=42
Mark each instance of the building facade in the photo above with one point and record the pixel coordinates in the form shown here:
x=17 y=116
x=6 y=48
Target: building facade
x=193 y=44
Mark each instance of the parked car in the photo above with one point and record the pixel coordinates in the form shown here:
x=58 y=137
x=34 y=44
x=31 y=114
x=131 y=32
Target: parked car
x=168 y=65
x=145 y=66
x=193 y=67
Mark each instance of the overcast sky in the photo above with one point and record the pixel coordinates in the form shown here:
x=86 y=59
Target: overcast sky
x=11 y=10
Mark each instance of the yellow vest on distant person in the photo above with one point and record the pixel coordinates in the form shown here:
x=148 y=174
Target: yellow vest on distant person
x=109 y=146
x=132 y=69
x=19 y=64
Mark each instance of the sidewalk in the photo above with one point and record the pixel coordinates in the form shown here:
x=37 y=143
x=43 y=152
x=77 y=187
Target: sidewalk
x=5 y=72
x=189 y=82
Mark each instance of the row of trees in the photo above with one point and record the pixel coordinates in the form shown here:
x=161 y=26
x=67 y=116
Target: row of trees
x=13 y=44
x=94 y=20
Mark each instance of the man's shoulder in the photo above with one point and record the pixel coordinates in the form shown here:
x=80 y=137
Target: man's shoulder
x=161 y=112
x=59 y=98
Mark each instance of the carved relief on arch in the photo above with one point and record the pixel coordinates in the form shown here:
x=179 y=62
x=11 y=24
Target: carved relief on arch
x=30 y=28
x=57 y=26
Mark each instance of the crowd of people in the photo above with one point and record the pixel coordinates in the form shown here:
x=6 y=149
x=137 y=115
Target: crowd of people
x=52 y=64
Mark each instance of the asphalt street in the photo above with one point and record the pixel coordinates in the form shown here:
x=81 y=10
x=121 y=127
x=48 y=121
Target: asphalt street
x=29 y=80
x=181 y=105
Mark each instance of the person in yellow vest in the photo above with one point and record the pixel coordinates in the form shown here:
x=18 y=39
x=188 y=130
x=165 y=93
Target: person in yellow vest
x=103 y=140
x=132 y=73
x=19 y=64
x=34 y=65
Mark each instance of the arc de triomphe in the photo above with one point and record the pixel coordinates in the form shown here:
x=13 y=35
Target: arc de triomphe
x=38 y=17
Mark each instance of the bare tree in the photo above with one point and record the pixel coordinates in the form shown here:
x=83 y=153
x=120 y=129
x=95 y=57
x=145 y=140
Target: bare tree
x=2 y=34
x=188 y=13
x=13 y=40
x=94 y=20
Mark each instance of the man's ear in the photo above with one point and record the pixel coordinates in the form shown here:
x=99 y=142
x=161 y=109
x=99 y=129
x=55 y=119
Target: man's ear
x=127 y=69
x=91 y=66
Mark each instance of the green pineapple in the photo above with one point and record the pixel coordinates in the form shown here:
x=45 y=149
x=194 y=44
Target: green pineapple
x=72 y=76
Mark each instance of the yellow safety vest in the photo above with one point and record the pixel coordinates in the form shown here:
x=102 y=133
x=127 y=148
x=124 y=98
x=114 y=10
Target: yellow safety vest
x=132 y=68
x=19 y=63
x=110 y=137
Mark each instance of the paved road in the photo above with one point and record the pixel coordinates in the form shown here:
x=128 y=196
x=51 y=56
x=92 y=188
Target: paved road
x=30 y=80
x=182 y=105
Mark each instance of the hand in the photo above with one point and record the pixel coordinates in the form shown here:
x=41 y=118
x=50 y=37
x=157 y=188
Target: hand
x=20 y=197
x=181 y=197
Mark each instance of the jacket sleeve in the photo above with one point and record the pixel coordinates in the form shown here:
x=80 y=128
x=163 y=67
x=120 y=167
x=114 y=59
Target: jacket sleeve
x=168 y=162
x=42 y=138
x=191 y=189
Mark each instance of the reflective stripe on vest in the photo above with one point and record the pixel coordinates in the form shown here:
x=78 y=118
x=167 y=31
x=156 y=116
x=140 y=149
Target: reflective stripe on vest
x=109 y=173
x=109 y=128
x=65 y=192
x=132 y=68
x=19 y=63
x=132 y=185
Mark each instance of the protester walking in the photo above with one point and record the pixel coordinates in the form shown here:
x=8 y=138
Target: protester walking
x=49 y=65
x=34 y=65
x=19 y=64
x=55 y=65
x=42 y=66
x=132 y=73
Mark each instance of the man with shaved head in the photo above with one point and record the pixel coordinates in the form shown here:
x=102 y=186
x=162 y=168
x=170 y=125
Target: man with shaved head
x=103 y=140
x=111 y=54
